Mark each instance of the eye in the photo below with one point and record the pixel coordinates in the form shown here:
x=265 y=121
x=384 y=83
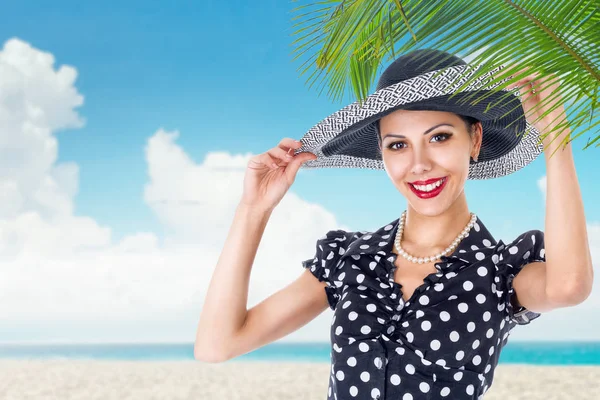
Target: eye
x=443 y=137
x=390 y=146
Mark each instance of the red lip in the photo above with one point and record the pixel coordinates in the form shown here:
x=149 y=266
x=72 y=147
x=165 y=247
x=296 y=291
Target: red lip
x=428 y=181
x=428 y=195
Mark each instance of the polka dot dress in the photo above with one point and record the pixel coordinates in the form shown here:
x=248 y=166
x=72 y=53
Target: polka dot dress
x=442 y=343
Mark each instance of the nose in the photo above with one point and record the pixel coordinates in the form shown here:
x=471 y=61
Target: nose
x=421 y=161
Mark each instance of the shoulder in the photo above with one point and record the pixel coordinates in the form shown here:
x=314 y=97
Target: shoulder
x=524 y=245
x=355 y=242
x=337 y=237
x=526 y=248
x=347 y=237
x=333 y=244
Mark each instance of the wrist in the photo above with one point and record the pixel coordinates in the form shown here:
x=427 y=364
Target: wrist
x=557 y=150
x=254 y=209
x=556 y=137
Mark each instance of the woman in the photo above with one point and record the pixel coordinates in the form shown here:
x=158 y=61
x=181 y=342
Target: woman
x=423 y=305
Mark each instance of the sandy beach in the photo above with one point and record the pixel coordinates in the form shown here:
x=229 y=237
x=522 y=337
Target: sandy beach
x=145 y=380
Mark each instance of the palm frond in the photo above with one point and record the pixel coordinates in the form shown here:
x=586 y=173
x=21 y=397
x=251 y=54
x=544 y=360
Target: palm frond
x=355 y=37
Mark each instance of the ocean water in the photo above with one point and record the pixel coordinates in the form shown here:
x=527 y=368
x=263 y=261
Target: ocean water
x=538 y=353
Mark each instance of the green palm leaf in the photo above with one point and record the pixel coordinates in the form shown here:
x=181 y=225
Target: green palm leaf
x=350 y=40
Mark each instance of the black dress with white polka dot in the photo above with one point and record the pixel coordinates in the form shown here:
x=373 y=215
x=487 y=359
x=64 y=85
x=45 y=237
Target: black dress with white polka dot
x=445 y=341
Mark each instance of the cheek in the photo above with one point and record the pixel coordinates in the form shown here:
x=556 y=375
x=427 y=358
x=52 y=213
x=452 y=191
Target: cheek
x=398 y=170
x=454 y=162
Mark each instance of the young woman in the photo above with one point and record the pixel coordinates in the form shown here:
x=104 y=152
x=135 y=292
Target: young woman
x=423 y=305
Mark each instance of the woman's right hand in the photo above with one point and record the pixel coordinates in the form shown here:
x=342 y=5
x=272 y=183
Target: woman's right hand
x=265 y=184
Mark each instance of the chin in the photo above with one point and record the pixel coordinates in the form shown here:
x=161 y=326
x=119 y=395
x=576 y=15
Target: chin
x=430 y=210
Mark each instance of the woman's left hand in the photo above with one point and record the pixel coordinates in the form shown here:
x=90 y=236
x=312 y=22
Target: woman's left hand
x=536 y=104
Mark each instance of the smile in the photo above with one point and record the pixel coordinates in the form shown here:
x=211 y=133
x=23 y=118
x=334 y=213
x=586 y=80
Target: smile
x=430 y=190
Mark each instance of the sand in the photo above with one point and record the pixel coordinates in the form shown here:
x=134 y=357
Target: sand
x=145 y=380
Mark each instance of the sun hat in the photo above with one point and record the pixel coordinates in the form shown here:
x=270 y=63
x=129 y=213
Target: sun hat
x=425 y=79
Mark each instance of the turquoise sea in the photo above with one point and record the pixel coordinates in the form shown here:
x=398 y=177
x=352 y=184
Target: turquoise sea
x=538 y=353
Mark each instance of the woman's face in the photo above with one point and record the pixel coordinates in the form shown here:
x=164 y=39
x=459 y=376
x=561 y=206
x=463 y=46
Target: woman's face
x=419 y=146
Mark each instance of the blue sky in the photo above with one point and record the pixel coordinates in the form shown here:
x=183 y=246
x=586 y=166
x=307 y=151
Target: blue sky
x=222 y=75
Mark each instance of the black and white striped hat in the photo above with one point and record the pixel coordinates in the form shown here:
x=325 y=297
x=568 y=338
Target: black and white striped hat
x=424 y=79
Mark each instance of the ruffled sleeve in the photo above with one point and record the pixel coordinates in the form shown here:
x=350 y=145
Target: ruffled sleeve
x=329 y=249
x=511 y=258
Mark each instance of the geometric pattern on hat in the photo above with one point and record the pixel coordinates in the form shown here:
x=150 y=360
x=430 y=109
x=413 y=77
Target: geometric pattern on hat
x=347 y=138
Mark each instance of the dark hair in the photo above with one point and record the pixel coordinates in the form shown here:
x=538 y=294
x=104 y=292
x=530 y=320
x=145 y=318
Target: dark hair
x=469 y=123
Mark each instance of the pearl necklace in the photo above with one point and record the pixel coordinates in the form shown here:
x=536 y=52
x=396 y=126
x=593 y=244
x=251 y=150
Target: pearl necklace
x=438 y=256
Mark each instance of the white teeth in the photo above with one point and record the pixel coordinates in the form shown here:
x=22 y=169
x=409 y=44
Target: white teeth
x=430 y=187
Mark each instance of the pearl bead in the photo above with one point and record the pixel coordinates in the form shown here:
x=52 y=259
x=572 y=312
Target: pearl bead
x=453 y=245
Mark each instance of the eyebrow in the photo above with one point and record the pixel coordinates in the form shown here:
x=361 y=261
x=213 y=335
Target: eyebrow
x=424 y=133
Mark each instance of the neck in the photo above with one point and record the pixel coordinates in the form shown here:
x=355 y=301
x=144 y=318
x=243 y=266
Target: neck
x=430 y=234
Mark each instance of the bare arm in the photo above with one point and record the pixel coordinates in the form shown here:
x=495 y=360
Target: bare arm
x=568 y=273
x=226 y=328
x=569 y=269
x=280 y=314
x=224 y=309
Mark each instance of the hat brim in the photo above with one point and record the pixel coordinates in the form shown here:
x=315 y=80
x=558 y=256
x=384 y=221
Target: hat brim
x=348 y=137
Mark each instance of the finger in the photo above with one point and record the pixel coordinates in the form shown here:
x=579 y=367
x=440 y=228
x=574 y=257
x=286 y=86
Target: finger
x=526 y=78
x=285 y=147
x=260 y=161
x=522 y=82
x=525 y=74
x=525 y=87
x=286 y=143
x=269 y=161
x=527 y=93
x=293 y=167
x=280 y=155
x=289 y=146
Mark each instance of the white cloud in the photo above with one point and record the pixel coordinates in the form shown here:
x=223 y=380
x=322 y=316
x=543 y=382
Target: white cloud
x=64 y=278
x=37 y=193
x=59 y=269
x=196 y=202
x=542 y=185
